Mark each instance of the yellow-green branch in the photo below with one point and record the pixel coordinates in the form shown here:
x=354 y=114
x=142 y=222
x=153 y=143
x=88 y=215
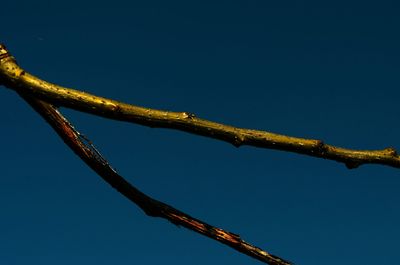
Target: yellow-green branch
x=14 y=77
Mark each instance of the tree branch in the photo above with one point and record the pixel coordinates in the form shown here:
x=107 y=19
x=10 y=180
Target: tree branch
x=14 y=77
x=89 y=154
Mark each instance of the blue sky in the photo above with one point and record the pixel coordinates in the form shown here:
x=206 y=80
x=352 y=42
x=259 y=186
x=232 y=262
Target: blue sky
x=324 y=70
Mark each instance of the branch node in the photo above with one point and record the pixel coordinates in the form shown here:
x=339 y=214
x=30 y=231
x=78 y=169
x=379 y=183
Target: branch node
x=117 y=109
x=319 y=148
x=352 y=164
x=391 y=151
x=238 y=140
x=188 y=115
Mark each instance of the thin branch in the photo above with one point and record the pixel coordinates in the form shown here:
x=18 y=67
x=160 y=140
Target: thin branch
x=14 y=77
x=89 y=154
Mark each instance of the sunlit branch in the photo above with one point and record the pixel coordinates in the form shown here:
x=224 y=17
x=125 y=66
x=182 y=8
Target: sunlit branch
x=14 y=77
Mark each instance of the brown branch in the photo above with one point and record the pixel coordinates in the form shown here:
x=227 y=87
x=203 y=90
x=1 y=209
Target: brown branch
x=89 y=154
x=14 y=77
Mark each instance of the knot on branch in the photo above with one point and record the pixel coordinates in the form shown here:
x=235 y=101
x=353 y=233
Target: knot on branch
x=391 y=151
x=238 y=140
x=188 y=115
x=319 y=148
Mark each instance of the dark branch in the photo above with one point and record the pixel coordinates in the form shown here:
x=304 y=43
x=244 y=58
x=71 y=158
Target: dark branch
x=89 y=154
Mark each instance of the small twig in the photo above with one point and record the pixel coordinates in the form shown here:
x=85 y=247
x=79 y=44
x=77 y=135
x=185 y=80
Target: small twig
x=85 y=149
x=14 y=77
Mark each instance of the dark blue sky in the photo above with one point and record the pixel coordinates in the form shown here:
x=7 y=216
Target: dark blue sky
x=317 y=69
